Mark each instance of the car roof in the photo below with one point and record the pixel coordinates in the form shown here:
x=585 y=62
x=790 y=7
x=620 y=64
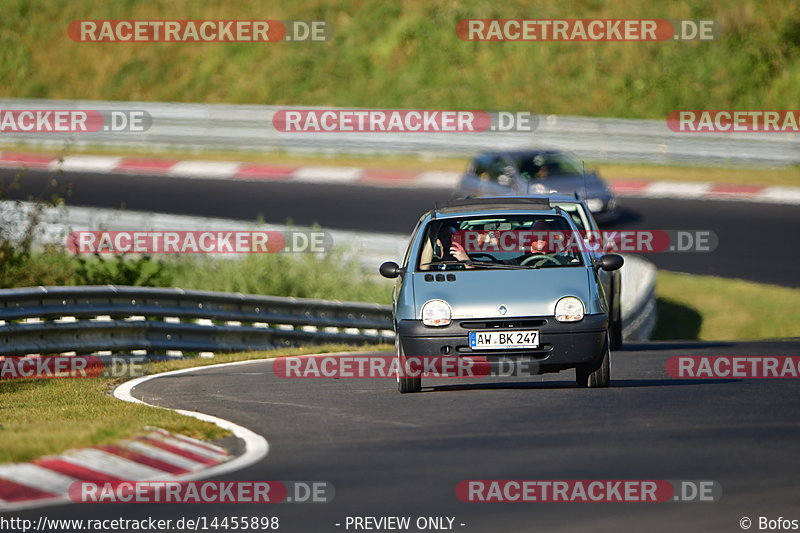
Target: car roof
x=494 y=203
x=554 y=197
x=532 y=152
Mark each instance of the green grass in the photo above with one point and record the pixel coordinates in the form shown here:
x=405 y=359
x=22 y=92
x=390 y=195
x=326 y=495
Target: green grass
x=708 y=308
x=47 y=416
x=338 y=275
x=764 y=176
x=406 y=54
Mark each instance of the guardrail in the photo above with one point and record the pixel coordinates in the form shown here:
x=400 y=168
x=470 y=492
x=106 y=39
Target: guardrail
x=84 y=320
x=638 y=299
x=249 y=127
x=119 y=319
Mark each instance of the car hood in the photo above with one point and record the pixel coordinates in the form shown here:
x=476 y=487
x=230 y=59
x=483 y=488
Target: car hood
x=480 y=293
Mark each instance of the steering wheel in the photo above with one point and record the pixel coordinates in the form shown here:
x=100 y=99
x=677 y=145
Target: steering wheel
x=539 y=257
x=484 y=254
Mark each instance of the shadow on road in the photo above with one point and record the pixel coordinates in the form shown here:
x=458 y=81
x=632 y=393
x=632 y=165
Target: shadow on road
x=676 y=321
x=624 y=216
x=673 y=345
x=544 y=385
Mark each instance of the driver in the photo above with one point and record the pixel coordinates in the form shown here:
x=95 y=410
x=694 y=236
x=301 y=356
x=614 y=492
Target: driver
x=538 y=242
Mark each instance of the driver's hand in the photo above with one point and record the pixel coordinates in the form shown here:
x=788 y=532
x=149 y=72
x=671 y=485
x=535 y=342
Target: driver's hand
x=457 y=251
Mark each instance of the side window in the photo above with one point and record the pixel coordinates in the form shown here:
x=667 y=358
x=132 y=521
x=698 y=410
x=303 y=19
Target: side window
x=576 y=218
x=491 y=169
x=531 y=168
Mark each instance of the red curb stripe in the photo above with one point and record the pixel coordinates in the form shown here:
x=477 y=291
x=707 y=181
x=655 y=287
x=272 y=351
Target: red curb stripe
x=187 y=440
x=621 y=187
x=137 y=457
x=388 y=175
x=178 y=451
x=11 y=491
x=736 y=189
x=74 y=470
x=33 y=160
x=131 y=164
x=253 y=170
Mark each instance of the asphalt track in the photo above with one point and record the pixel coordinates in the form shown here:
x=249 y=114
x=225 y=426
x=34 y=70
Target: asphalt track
x=392 y=454
x=757 y=242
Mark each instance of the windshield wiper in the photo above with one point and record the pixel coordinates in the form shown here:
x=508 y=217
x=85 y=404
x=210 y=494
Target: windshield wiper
x=443 y=263
x=489 y=264
x=481 y=264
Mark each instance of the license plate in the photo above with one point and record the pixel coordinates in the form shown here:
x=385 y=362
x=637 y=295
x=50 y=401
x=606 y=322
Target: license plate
x=503 y=340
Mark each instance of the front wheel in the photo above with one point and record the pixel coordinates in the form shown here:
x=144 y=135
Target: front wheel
x=593 y=376
x=616 y=334
x=406 y=384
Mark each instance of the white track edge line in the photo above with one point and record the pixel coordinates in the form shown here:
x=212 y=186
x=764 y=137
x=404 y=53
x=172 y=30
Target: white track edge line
x=256 y=446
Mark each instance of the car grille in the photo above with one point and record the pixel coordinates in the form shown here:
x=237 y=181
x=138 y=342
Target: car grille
x=503 y=324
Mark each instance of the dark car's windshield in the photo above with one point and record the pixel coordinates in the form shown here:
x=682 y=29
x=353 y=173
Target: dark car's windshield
x=500 y=242
x=544 y=165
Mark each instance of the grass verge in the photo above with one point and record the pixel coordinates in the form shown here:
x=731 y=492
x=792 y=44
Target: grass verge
x=762 y=176
x=47 y=416
x=407 y=54
x=708 y=308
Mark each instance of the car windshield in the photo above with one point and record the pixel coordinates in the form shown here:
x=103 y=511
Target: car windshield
x=544 y=165
x=500 y=242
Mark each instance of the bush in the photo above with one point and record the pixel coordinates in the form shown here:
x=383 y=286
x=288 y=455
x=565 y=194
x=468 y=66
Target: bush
x=337 y=275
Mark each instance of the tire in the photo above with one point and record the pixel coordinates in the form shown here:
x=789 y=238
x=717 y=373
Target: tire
x=594 y=376
x=410 y=384
x=616 y=322
x=616 y=334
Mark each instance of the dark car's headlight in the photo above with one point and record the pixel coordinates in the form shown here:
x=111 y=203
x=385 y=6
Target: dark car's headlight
x=594 y=204
x=569 y=309
x=436 y=313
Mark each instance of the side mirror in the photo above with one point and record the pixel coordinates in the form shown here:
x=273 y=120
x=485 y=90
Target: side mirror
x=390 y=269
x=611 y=262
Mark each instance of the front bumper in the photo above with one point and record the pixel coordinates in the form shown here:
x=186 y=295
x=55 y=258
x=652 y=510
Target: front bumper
x=562 y=345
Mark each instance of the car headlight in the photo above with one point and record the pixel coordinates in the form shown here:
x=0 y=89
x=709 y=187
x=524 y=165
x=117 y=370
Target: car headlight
x=594 y=204
x=569 y=309
x=436 y=313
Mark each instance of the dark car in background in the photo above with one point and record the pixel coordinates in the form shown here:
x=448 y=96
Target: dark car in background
x=527 y=172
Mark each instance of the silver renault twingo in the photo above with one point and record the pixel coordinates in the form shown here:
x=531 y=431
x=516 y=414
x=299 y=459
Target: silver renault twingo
x=482 y=279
